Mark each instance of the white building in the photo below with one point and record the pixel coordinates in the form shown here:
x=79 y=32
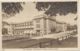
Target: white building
x=40 y=25
x=44 y=24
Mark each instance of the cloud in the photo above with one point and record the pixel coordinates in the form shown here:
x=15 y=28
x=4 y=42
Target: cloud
x=27 y=14
x=69 y=18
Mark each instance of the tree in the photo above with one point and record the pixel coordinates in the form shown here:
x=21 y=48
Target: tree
x=52 y=8
x=11 y=8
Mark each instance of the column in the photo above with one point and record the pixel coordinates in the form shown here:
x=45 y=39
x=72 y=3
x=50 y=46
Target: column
x=47 y=26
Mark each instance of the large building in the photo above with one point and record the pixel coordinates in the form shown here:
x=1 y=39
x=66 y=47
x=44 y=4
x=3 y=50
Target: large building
x=46 y=25
x=39 y=26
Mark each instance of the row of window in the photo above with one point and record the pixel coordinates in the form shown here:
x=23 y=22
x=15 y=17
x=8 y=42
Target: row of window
x=24 y=24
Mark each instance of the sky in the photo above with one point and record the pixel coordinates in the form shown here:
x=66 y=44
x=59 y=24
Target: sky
x=69 y=18
x=29 y=12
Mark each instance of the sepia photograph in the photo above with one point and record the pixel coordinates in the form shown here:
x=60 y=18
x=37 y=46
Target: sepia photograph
x=39 y=25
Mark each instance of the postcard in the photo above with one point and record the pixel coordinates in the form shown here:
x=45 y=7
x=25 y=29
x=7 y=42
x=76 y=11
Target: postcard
x=40 y=25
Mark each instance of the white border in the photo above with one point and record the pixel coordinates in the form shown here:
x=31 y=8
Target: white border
x=35 y=0
x=39 y=49
x=0 y=29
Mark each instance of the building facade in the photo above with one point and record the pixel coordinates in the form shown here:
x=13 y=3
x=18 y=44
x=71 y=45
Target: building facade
x=39 y=26
x=23 y=28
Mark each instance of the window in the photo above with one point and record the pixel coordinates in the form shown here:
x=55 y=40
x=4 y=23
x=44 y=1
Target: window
x=38 y=26
x=27 y=23
x=31 y=23
x=38 y=21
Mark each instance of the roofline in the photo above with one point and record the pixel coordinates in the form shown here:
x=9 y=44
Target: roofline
x=51 y=20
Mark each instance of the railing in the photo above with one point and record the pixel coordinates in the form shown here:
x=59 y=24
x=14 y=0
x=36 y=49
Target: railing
x=13 y=37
